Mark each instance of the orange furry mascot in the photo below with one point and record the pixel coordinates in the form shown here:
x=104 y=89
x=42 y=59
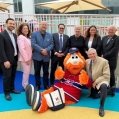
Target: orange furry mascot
x=71 y=79
x=74 y=77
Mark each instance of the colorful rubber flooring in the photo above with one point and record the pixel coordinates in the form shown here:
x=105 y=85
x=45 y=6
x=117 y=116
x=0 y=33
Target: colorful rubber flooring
x=86 y=108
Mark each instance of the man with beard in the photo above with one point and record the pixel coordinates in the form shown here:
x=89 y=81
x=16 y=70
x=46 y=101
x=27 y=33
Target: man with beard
x=8 y=58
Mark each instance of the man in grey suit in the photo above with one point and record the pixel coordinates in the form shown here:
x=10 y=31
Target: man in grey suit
x=59 y=51
x=42 y=44
x=98 y=70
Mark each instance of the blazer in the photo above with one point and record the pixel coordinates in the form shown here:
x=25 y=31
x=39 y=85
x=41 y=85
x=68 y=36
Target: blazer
x=56 y=43
x=100 y=71
x=110 y=50
x=38 y=43
x=25 y=49
x=96 y=44
x=6 y=47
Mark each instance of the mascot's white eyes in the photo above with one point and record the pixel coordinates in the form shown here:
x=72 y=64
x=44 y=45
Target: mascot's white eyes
x=74 y=57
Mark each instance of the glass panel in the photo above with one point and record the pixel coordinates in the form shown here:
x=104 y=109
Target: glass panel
x=17 y=5
x=20 y=5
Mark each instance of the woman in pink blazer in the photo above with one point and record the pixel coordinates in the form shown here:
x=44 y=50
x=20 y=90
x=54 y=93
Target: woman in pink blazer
x=25 y=51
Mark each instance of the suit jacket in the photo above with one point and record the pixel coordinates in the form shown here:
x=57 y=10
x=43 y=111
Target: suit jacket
x=100 y=71
x=38 y=43
x=56 y=43
x=110 y=50
x=6 y=47
x=25 y=49
x=95 y=44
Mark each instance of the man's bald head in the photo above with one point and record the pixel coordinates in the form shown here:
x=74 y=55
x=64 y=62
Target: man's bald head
x=77 y=30
x=43 y=26
x=111 y=30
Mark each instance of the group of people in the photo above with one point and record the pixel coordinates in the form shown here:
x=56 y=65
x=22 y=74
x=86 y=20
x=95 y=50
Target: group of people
x=41 y=47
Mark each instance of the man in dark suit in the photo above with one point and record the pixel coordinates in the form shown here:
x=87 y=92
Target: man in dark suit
x=8 y=57
x=110 y=48
x=59 y=51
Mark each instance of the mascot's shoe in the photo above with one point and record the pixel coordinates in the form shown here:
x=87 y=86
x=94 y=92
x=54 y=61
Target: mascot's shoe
x=36 y=101
x=29 y=90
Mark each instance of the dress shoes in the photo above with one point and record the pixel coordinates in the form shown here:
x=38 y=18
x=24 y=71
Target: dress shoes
x=8 y=97
x=101 y=112
x=15 y=92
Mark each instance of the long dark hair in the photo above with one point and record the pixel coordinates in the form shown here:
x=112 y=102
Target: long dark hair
x=19 y=30
x=88 y=31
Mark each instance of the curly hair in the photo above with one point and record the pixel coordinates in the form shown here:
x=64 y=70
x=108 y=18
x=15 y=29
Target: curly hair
x=19 y=30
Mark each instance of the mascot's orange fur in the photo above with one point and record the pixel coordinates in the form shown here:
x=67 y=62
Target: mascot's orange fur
x=71 y=79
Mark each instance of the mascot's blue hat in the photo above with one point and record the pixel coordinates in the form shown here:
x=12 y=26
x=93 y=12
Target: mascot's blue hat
x=73 y=50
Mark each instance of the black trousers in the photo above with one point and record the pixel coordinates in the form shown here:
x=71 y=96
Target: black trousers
x=9 y=76
x=0 y=69
x=55 y=61
x=112 y=77
x=37 y=69
x=102 y=93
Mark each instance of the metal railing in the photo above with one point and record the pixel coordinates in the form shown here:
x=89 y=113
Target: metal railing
x=70 y=20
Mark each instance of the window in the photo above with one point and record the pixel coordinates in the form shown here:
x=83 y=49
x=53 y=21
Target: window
x=17 y=5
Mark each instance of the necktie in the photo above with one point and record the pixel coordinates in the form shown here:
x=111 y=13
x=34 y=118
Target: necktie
x=108 y=41
x=90 y=69
x=60 y=43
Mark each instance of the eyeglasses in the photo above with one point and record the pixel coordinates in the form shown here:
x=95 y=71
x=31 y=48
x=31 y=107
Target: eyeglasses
x=61 y=28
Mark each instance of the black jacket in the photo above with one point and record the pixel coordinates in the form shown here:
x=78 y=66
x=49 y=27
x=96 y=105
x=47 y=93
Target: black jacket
x=110 y=50
x=56 y=43
x=95 y=44
x=6 y=47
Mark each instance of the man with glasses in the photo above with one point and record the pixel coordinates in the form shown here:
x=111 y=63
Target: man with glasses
x=59 y=51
